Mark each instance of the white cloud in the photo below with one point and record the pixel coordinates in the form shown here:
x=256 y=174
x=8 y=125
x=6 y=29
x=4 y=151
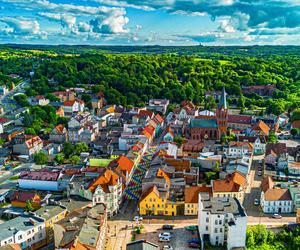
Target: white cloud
x=226 y=26
x=21 y=25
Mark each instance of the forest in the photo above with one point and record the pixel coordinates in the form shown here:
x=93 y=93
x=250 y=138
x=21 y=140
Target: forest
x=133 y=75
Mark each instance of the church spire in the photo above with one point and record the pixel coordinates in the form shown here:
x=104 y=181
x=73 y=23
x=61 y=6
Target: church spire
x=223 y=102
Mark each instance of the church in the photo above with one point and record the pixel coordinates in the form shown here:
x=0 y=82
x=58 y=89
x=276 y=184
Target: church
x=210 y=127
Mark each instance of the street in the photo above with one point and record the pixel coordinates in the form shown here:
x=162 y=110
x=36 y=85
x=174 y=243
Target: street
x=255 y=214
x=6 y=100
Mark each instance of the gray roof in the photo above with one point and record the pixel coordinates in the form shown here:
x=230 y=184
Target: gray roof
x=223 y=103
x=49 y=211
x=21 y=223
x=222 y=205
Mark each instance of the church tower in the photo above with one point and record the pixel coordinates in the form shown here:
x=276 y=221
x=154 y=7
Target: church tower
x=222 y=112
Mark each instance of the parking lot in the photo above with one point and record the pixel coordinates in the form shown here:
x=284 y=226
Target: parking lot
x=179 y=234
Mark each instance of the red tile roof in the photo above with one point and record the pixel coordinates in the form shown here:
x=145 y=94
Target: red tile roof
x=3 y=120
x=159 y=118
x=25 y=196
x=244 y=119
x=69 y=103
x=124 y=164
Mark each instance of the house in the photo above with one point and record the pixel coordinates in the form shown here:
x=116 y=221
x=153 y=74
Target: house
x=159 y=105
x=98 y=102
x=191 y=196
x=240 y=122
x=259 y=143
x=39 y=100
x=106 y=189
x=185 y=113
x=209 y=160
x=83 y=229
x=141 y=245
x=260 y=129
x=262 y=90
x=168 y=149
x=237 y=148
x=169 y=135
x=156 y=201
x=222 y=221
x=191 y=148
x=20 y=199
x=4 y=122
x=275 y=200
x=276 y=155
x=59 y=134
x=71 y=107
x=51 y=214
x=27 y=231
x=295 y=194
x=232 y=186
x=27 y=145
x=63 y=96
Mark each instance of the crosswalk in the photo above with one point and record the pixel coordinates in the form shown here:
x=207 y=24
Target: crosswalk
x=133 y=190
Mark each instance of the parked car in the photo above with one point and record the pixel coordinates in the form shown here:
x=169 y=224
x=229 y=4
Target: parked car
x=194 y=245
x=167 y=247
x=259 y=168
x=138 y=218
x=256 y=202
x=164 y=234
x=259 y=173
x=277 y=216
x=167 y=227
x=194 y=240
x=191 y=228
x=260 y=161
x=164 y=239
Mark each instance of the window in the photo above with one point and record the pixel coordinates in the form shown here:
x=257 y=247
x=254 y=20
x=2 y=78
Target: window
x=157 y=205
x=221 y=230
x=20 y=237
x=40 y=235
x=188 y=211
x=40 y=227
x=220 y=222
x=216 y=230
x=29 y=232
x=206 y=228
x=29 y=240
x=10 y=240
x=207 y=219
x=150 y=200
x=216 y=222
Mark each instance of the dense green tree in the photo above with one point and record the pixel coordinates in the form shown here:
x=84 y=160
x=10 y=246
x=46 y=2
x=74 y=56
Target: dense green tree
x=68 y=149
x=40 y=158
x=81 y=147
x=272 y=138
x=74 y=159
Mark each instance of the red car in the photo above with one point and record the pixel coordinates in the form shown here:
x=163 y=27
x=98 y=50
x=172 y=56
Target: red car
x=194 y=245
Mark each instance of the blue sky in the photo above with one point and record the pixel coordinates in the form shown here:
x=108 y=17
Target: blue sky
x=150 y=22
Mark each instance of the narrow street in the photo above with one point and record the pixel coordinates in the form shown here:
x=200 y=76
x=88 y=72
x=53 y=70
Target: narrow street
x=255 y=214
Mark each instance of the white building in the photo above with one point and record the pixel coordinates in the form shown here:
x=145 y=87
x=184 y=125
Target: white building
x=275 y=200
x=27 y=231
x=238 y=148
x=106 y=189
x=222 y=221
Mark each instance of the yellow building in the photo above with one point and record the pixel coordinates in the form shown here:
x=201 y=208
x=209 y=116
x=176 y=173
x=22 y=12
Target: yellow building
x=191 y=197
x=154 y=202
x=51 y=214
x=232 y=186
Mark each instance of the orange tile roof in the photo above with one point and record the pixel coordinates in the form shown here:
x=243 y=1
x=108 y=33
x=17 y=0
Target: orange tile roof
x=278 y=194
x=158 y=118
x=232 y=183
x=179 y=164
x=261 y=126
x=125 y=164
x=60 y=128
x=109 y=178
x=161 y=173
x=191 y=194
x=267 y=183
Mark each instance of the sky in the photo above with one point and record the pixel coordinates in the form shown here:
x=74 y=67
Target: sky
x=150 y=22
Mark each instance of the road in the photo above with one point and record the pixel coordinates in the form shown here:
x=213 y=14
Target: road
x=255 y=214
x=6 y=100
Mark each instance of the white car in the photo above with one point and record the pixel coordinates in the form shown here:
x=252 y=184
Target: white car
x=137 y=218
x=164 y=234
x=277 y=216
x=256 y=202
x=164 y=239
x=167 y=247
